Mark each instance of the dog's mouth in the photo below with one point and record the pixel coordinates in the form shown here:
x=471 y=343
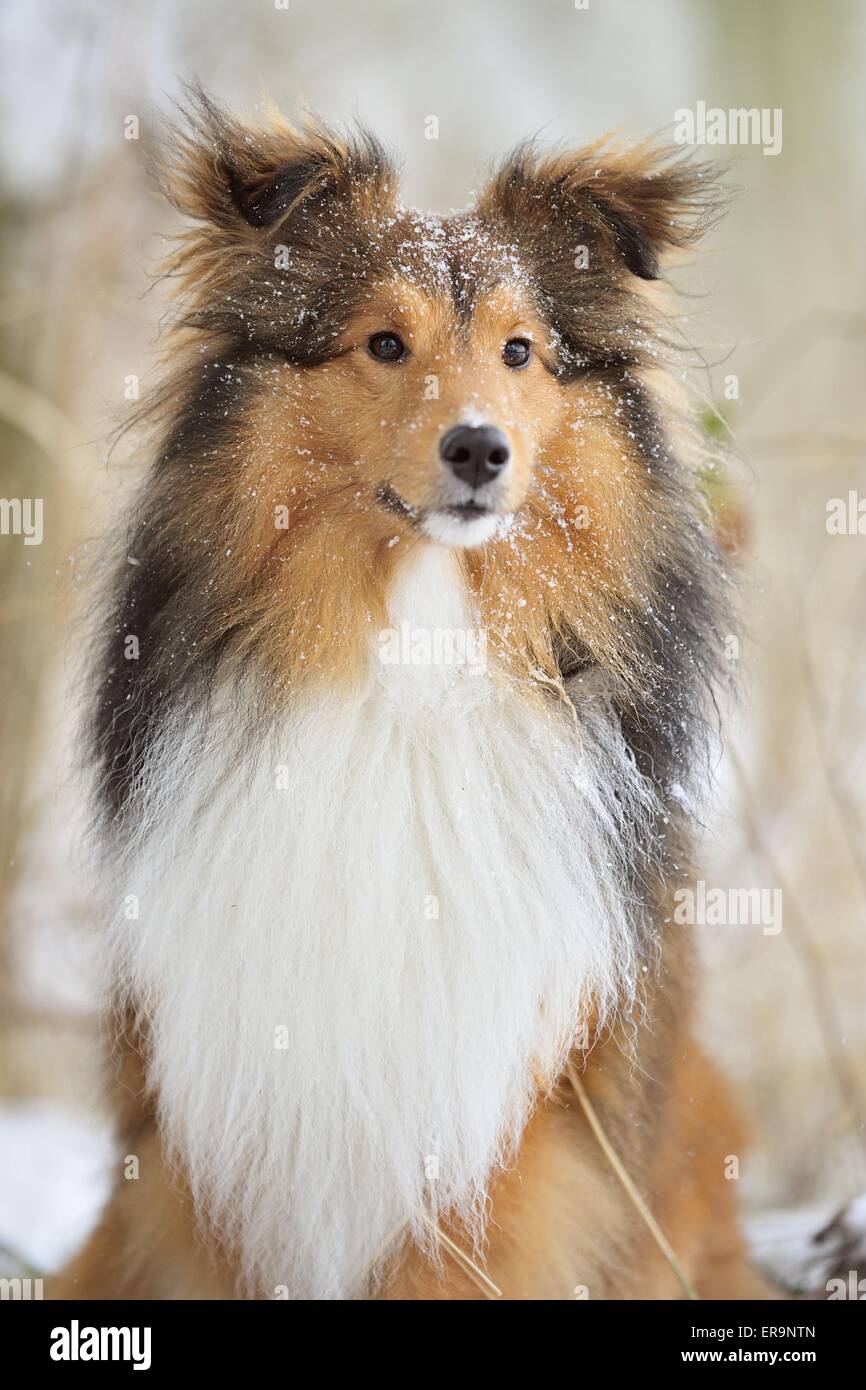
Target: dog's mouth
x=466 y=511
x=460 y=524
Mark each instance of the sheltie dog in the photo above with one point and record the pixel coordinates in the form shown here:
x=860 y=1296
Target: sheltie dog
x=401 y=703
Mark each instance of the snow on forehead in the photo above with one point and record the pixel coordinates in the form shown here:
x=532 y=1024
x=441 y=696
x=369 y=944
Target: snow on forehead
x=435 y=252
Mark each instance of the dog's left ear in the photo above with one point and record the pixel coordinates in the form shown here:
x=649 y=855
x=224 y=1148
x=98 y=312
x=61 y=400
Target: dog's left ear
x=240 y=179
x=632 y=204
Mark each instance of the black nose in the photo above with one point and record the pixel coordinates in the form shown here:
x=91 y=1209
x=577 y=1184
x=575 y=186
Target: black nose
x=476 y=453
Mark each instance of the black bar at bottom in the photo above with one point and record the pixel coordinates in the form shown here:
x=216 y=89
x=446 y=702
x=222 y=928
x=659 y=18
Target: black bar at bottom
x=82 y=1338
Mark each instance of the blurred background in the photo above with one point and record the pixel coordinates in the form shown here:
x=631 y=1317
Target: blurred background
x=776 y=301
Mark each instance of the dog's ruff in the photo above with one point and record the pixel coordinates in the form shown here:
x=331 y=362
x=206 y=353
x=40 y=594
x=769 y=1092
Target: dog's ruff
x=359 y=959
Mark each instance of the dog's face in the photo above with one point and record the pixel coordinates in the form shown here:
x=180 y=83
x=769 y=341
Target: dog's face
x=387 y=376
x=440 y=407
x=357 y=379
x=439 y=417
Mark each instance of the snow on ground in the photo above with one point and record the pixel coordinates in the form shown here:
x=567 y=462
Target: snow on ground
x=55 y=1169
x=804 y=1249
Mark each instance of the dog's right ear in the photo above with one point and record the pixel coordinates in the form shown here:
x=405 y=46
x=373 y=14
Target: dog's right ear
x=632 y=205
x=236 y=177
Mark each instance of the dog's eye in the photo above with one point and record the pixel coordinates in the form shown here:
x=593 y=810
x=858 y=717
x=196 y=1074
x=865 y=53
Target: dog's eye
x=517 y=352
x=387 y=347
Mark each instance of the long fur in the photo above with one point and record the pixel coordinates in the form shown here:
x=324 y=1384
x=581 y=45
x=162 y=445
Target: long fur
x=378 y=904
x=423 y=887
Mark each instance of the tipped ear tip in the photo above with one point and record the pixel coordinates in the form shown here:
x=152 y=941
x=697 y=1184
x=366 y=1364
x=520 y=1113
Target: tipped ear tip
x=228 y=173
x=645 y=268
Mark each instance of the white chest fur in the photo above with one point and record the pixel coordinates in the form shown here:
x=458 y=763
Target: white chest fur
x=361 y=943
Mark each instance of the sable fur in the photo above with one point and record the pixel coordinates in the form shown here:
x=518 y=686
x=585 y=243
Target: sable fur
x=297 y=252
x=647 y=574
x=301 y=907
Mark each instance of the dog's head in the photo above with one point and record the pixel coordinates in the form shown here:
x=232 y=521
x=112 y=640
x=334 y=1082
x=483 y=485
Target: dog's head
x=354 y=379
x=441 y=370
